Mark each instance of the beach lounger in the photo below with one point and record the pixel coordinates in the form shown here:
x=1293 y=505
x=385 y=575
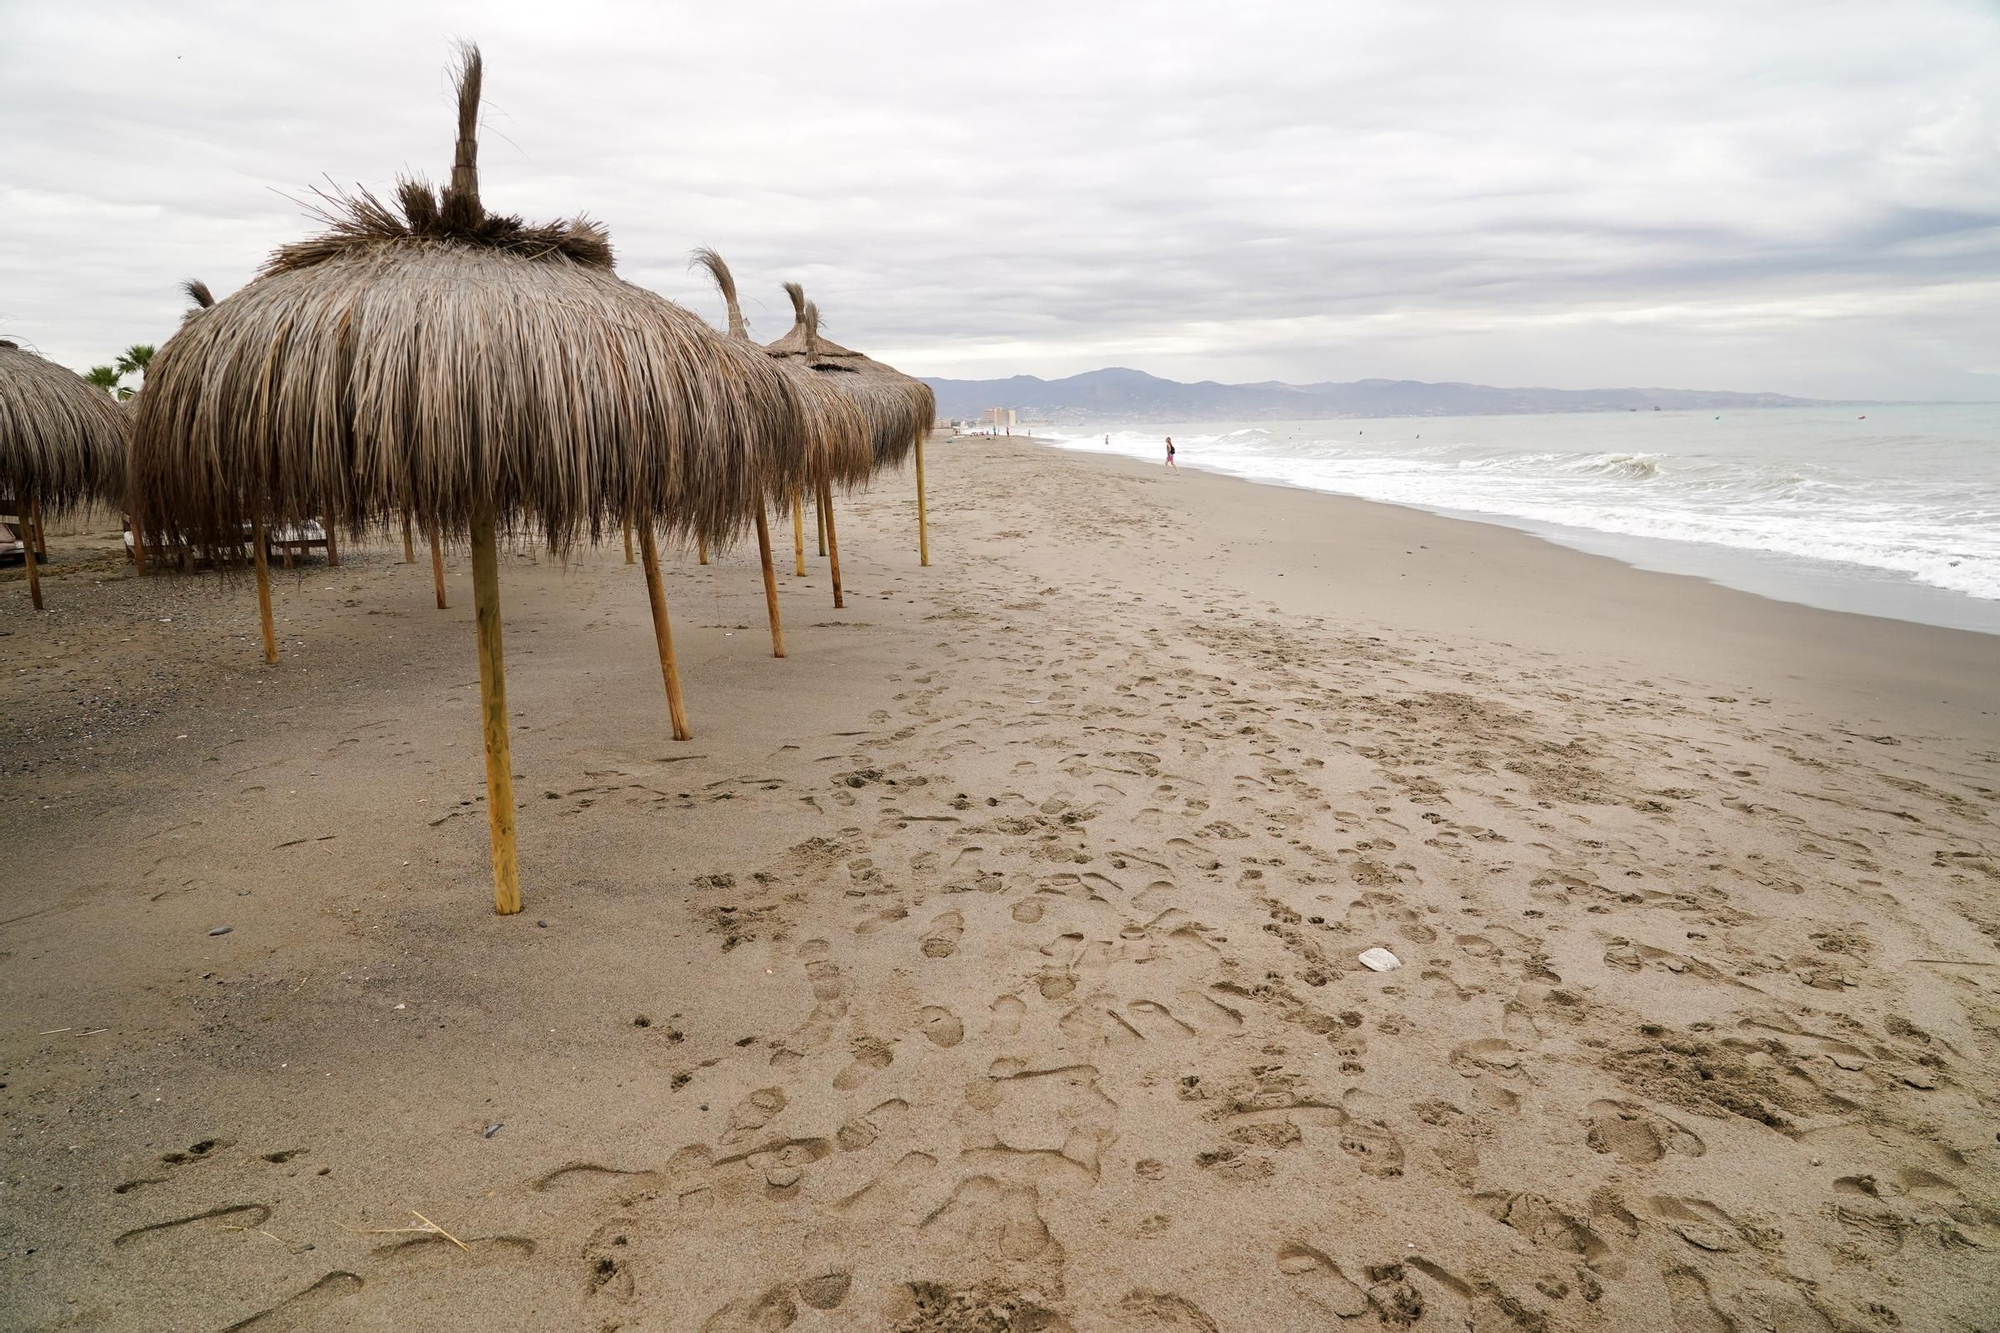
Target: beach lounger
x=287 y=542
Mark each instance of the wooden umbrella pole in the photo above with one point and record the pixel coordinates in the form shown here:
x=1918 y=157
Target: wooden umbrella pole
x=832 y=541
x=628 y=541
x=34 y=571
x=138 y=543
x=263 y=564
x=649 y=552
x=409 y=546
x=701 y=548
x=332 y=545
x=923 y=526
x=437 y=568
x=819 y=516
x=770 y=582
x=798 y=535
x=493 y=709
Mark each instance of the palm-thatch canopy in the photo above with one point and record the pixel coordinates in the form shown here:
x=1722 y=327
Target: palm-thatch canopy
x=467 y=369
x=429 y=356
x=62 y=439
x=839 y=449
x=899 y=410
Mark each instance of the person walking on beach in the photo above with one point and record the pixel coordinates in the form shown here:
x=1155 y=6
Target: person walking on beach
x=1170 y=454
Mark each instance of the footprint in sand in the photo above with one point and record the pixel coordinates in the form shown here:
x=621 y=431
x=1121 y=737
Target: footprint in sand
x=876 y=922
x=248 y=1216
x=1155 y=1020
x=1055 y=983
x=1489 y=1055
x=301 y=1308
x=1318 y=1280
x=864 y=1130
x=1636 y=1134
x=826 y=1291
x=942 y=1026
x=1702 y=1224
x=1693 y=1309
x=825 y=978
x=1546 y=1224
x=1375 y=1146
x=1007 y=1011
x=775 y=1309
x=871 y=1057
x=1027 y=911
x=1165 y=1310
x=983 y=1214
x=941 y=940
x=754 y=1112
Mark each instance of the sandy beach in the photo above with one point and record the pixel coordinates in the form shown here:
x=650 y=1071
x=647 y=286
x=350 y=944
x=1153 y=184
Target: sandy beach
x=991 y=962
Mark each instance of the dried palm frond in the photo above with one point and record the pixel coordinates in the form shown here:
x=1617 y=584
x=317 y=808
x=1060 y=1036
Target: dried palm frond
x=62 y=440
x=837 y=448
x=709 y=262
x=432 y=357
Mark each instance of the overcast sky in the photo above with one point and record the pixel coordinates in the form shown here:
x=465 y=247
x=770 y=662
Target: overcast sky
x=1803 y=197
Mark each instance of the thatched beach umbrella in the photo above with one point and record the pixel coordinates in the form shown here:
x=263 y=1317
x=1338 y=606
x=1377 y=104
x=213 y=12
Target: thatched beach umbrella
x=62 y=443
x=899 y=411
x=837 y=440
x=200 y=300
x=470 y=369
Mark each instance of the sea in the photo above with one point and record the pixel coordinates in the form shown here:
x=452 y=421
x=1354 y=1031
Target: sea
x=1885 y=510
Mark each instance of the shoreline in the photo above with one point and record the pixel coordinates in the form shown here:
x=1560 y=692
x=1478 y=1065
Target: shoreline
x=999 y=947
x=1825 y=584
x=1481 y=575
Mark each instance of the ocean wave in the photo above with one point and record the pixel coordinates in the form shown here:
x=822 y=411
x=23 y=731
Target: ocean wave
x=1909 y=506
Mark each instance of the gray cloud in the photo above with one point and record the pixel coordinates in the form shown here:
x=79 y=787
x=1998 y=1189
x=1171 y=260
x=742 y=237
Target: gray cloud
x=1802 y=196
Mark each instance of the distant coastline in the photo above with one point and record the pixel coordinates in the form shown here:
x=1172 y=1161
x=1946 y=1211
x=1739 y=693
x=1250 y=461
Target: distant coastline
x=1121 y=394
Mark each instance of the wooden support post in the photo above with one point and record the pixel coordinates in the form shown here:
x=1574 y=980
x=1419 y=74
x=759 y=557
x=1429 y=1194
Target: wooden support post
x=437 y=568
x=798 y=535
x=138 y=543
x=770 y=582
x=493 y=710
x=628 y=541
x=33 y=523
x=263 y=590
x=819 y=516
x=701 y=548
x=284 y=549
x=923 y=526
x=649 y=551
x=409 y=546
x=332 y=543
x=832 y=541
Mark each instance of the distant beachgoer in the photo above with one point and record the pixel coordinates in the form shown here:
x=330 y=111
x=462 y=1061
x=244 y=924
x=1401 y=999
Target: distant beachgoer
x=1170 y=454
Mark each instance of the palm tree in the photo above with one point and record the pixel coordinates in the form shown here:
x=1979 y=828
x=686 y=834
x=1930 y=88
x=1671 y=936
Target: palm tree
x=106 y=378
x=135 y=359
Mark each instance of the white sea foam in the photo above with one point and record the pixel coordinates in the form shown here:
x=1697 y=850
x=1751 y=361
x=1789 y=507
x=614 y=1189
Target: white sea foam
x=1913 y=495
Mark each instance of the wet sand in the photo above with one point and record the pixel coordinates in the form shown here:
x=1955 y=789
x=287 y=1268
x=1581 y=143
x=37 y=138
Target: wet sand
x=991 y=962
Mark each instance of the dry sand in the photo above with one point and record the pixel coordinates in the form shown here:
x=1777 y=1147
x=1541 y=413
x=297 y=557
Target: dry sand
x=990 y=963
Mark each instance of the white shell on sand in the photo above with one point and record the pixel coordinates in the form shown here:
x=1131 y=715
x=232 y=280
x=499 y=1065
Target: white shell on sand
x=1381 y=960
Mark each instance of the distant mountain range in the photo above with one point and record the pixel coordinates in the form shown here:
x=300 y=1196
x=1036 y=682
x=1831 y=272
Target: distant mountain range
x=1118 y=393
